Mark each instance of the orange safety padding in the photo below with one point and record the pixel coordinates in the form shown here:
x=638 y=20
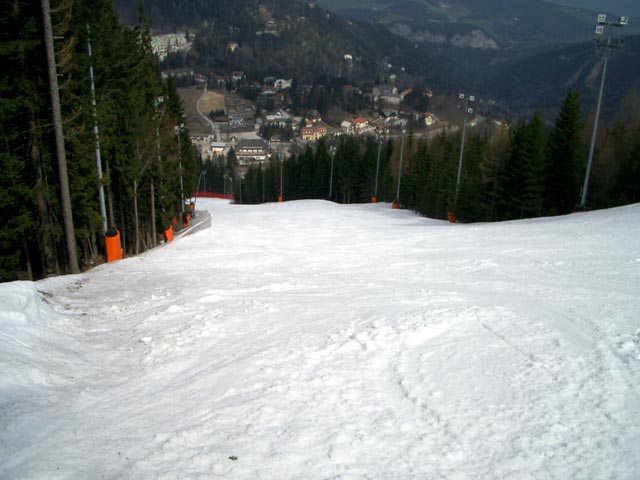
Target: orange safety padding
x=395 y=205
x=374 y=199
x=279 y=198
x=168 y=234
x=113 y=248
x=451 y=217
x=187 y=217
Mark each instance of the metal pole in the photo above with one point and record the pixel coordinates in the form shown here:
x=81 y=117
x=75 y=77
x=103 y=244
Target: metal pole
x=204 y=177
x=103 y=208
x=375 y=194
x=333 y=154
x=262 y=171
x=464 y=130
x=281 y=187
x=400 y=169
x=585 y=188
x=180 y=165
x=600 y=30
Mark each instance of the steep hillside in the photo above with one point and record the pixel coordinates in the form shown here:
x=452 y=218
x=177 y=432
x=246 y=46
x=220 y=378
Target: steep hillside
x=541 y=80
x=490 y=24
x=619 y=7
x=284 y=38
x=521 y=55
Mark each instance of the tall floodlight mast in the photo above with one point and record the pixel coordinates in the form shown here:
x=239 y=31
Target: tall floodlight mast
x=605 y=44
x=467 y=110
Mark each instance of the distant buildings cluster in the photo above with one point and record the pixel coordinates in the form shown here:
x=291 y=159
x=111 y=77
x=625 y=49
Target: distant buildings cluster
x=162 y=45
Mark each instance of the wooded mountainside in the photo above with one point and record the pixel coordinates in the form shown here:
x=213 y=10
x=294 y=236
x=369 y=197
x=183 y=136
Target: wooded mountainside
x=286 y=39
x=136 y=115
x=532 y=65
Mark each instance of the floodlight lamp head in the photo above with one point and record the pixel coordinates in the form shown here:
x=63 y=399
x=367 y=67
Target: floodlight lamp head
x=599 y=30
x=461 y=96
x=602 y=18
x=470 y=110
x=624 y=20
x=472 y=98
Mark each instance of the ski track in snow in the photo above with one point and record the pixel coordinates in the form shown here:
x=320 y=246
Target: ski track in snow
x=308 y=340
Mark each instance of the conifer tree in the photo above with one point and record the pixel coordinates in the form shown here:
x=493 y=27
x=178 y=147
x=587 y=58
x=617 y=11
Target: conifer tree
x=511 y=179
x=18 y=41
x=627 y=187
x=416 y=178
x=320 y=180
x=472 y=202
x=565 y=154
x=306 y=171
x=346 y=160
x=535 y=149
x=367 y=171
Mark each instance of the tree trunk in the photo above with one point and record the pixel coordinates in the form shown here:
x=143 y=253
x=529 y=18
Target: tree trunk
x=67 y=212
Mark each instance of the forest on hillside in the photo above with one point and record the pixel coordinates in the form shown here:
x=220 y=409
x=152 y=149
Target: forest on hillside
x=135 y=118
x=286 y=39
x=524 y=170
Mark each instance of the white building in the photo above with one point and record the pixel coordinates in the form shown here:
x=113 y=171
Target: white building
x=162 y=45
x=248 y=150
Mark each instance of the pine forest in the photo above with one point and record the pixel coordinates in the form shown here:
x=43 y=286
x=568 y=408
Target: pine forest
x=131 y=123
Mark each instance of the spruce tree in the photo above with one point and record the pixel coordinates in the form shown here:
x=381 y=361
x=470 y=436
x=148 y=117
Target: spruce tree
x=565 y=157
x=627 y=186
x=472 y=197
x=347 y=160
x=320 y=180
x=534 y=175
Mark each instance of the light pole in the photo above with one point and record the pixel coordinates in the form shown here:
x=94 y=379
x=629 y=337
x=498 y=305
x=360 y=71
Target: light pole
x=396 y=204
x=179 y=128
x=103 y=209
x=332 y=150
x=467 y=109
x=375 y=192
x=262 y=171
x=203 y=175
x=603 y=48
x=158 y=116
x=281 y=160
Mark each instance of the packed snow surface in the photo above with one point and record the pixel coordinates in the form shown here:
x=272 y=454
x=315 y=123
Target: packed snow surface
x=308 y=340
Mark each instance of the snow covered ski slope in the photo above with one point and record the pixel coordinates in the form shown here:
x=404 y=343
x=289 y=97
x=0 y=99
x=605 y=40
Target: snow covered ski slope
x=308 y=340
